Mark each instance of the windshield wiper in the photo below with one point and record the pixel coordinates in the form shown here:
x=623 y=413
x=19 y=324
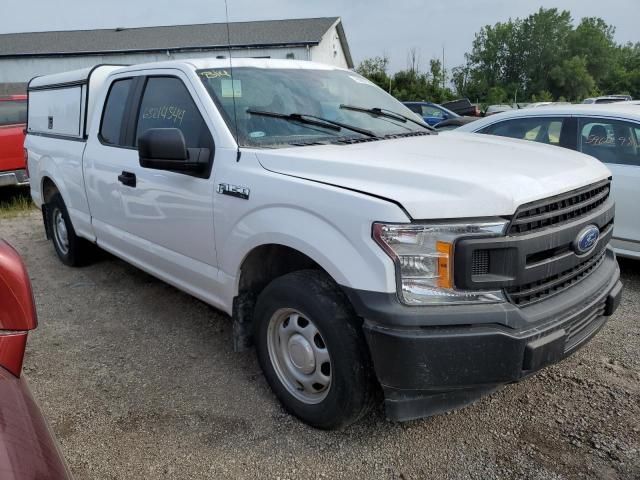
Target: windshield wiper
x=313 y=120
x=383 y=112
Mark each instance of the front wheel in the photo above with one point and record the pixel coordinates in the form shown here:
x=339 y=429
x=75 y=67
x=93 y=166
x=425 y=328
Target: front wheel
x=312 y=350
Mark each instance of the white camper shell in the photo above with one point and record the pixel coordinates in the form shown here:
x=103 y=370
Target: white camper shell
x=62 y=104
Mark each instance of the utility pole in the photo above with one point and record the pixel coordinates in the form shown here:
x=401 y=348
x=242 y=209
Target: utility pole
x=444 y=71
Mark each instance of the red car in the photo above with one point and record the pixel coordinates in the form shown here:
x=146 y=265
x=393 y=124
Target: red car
x=13 y=119
x=29 y=450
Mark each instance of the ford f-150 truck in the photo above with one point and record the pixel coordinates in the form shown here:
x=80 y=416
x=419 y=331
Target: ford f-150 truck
x=362 y=254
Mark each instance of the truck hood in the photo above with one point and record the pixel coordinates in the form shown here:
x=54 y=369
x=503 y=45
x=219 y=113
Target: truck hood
x=443 y=176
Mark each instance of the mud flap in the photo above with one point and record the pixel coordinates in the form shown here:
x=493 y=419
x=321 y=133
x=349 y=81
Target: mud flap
x=46 y=212
x=243 y=306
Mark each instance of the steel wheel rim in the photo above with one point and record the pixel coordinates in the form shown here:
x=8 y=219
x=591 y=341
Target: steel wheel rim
x=299 y=356
x=60 y=232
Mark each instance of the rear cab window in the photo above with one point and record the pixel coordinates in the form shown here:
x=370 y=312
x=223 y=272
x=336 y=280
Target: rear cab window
x=112 y=129
x=13 y=112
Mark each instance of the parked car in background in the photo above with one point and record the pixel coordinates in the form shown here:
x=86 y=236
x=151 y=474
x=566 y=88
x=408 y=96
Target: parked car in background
x=493 y=109
x=608 y=99
x=462 y=107
x=431 y=113
x=611 y=133
x=13 y=117
x=29 y=450
x=453 y=123
x=545 y=104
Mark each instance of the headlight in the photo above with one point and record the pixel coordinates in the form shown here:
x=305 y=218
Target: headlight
x=423 y=254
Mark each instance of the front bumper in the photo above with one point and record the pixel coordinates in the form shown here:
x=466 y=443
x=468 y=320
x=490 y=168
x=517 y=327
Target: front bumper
x=14 y=178
x=434 y=359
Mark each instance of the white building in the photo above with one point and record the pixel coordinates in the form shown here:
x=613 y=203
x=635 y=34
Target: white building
x=25 y=55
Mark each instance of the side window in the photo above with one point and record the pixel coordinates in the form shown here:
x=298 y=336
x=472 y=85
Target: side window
x=610 y=141
x=166 y=103
x=429 y=111
x=414 y=108
x=13 y=112
x=112 y=117
x=537 y=129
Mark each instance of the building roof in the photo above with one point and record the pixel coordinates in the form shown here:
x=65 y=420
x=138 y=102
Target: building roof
x=268 y=33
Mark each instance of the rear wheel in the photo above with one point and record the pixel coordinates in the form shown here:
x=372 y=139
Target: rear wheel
x=71 y=249
x=312 y=350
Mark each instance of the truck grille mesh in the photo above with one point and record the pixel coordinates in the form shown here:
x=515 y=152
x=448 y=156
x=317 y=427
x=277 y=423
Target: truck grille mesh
x=559 y=209
x=527 y=294
x=480 y=262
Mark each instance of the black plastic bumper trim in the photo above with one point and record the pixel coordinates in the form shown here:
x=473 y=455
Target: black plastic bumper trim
x=426 y=367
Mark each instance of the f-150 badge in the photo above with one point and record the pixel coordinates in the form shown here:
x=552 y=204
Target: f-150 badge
x=234 y=190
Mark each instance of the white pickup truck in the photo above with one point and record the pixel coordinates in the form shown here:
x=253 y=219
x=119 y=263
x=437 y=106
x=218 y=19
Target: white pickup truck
x=360 y=252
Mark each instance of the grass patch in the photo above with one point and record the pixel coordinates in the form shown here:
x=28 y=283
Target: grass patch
x=15 y=202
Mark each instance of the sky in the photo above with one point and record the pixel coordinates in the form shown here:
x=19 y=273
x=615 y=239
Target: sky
x=373 y=27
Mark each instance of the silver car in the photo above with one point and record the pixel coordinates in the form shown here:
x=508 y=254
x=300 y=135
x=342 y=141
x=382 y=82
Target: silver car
x=610 y=132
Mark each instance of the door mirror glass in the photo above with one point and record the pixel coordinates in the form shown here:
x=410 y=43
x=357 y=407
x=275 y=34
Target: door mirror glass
x=166 y=149
x=162 y=144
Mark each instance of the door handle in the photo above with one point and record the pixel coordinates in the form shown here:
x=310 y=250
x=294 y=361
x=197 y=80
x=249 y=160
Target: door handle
x=128 y=179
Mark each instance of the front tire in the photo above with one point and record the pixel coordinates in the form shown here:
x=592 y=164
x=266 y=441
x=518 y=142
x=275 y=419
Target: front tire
x=71 y=249
x=312 y=350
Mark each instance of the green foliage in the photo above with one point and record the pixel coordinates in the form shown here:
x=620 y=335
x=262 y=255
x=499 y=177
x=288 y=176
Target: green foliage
x=542 y=57
x=572 y=79
x=545 y=56
x=375 y=69
x=409 y=84
x=543 y=96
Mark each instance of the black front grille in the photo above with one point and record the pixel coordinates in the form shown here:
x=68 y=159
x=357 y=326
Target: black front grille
x=527 y=294
x=560 y=209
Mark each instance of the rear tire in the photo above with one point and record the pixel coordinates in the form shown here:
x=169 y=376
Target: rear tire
x=312 y=350
x=71 y=249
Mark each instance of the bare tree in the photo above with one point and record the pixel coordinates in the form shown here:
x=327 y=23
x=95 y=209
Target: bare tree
x=413 y=60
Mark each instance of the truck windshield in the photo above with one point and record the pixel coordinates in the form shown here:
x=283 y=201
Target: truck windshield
x=273 y=106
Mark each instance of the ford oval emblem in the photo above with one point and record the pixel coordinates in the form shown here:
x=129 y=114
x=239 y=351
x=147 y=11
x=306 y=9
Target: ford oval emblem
x=586 y=239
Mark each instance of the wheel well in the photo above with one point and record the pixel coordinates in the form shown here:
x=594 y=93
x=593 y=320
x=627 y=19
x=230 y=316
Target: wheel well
x=263 y=264
x=49 y=189
x=268 y=262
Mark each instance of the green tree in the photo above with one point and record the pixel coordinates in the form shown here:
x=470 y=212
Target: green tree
x=593 y=40
x=543 y=96
x=375 y=69
x=542 y=45
x=546 y=56
x=496 y=95
x=571 y=79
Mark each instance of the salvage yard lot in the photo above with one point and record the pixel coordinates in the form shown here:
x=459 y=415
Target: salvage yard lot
x=138 y=380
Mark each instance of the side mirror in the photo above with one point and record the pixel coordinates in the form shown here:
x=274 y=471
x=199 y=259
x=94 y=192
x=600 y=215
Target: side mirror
x=166 y=149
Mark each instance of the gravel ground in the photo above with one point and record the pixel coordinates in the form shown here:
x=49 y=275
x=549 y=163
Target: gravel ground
x=138 y=380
